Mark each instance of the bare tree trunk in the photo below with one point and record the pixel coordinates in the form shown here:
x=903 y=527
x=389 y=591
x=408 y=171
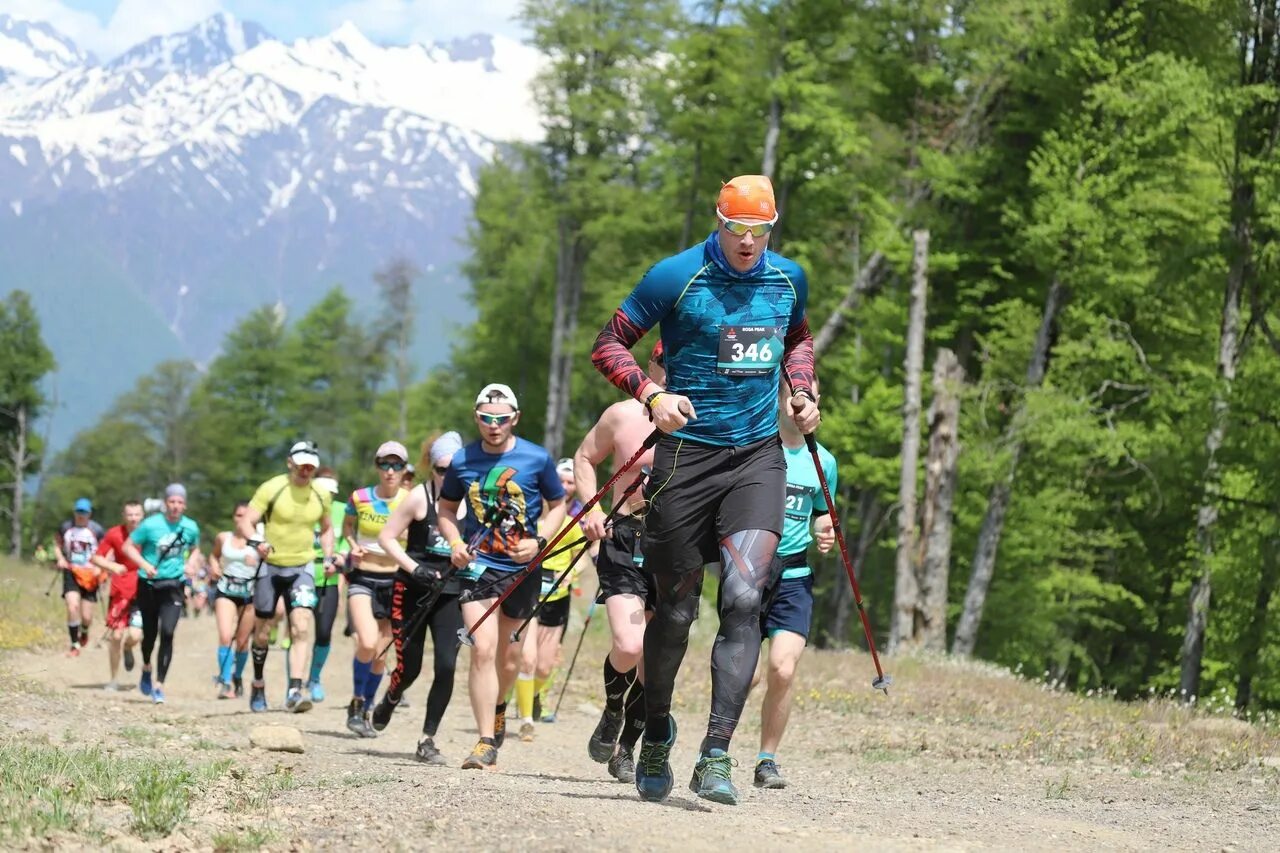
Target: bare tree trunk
x=1207 y=515
x=984 y=558
x=569 y=263
x=868 y=278
x=20 y=463
x=769 y=163
x=906 y=589
x=939 y=494
x=1255 y=634
x=842 y=599
x=395 y=281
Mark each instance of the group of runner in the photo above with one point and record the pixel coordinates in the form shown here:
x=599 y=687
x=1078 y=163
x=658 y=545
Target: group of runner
x=712 y=475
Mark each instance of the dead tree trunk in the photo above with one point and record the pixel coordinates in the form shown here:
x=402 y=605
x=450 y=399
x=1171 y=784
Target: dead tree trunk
x=984 y=558
x=906 y=589
x=20 y=461
x=1255 y=634
x=564 y=321
x=939 y=495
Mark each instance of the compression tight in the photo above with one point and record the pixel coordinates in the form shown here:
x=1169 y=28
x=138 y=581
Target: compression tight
x=444 y=621
x=746 y=557
x=160 y=605
x=326 y=613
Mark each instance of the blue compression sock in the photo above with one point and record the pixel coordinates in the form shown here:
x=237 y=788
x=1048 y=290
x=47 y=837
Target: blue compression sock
x=224 y=664
x=318 y=658
x=241 y=659
x=359 y=675
x=371 y=687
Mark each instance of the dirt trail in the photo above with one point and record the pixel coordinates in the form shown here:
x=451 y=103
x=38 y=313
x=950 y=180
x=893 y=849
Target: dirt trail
x=903 y=773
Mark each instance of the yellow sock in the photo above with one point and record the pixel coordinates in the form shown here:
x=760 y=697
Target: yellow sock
x=540 y=688
x=524 y=696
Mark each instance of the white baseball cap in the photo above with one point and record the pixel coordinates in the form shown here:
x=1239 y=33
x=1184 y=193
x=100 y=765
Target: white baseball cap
x=305 y=453
x=496 y=392
x=565 y=467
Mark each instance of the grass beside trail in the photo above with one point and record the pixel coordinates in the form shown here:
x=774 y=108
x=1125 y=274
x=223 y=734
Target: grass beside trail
x=49 y=790
x=28 y=617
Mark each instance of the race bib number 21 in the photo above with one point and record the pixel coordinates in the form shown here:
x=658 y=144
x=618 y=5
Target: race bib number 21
x=749 y=350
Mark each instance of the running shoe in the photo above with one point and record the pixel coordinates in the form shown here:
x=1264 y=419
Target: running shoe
x=653 y=769
x=226 y=691
x=769 y=775
x=548 y=718
x=84 y=638
x=622 y=766
x=316 y=691
x=111 y=687
x=482 y=757
x=258 y=699
x=73 y=652
x=296 y=702
x=128 y=660
x=605 y=737
x=712 y=778
x=238 y=683
x=404 y=702
x=272 y=635
x=499 y=728
x=144 y=683
x=382 y=713
x=157 y=695
x=427 y=752
x=358 y=720
x=526 y=732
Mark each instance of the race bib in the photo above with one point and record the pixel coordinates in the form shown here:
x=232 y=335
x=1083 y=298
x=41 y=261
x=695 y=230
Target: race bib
x=749 y=350
x=799 y=503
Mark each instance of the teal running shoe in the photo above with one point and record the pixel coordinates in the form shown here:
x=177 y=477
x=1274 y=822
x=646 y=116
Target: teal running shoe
x=712 y=778
x=653 y=769
x=316 y=690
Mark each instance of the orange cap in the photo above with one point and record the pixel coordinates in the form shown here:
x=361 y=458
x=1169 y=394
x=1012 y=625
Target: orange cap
x=747 y=197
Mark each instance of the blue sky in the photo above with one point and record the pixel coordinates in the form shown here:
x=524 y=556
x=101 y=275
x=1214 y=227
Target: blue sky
x=108 y=27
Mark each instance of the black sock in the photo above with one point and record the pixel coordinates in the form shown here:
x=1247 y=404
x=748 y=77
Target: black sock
x=74 y=632
x=616 y=685
x=259 y=661
x=633 y=724
x=295 y=683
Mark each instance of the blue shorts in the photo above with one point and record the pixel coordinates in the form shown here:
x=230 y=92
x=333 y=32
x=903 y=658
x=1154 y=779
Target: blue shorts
x=790 y=608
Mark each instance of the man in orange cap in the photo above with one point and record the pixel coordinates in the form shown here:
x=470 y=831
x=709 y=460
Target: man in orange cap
x=732 y=320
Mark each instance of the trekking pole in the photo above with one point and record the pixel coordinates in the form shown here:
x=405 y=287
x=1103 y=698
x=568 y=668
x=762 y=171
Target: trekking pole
x=466 y=635
x=608 y=519
x=57 y=573
x=881 y=681
x=574 y=660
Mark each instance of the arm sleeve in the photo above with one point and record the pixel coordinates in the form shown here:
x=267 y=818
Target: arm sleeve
x=655 y=295
x=797 y=360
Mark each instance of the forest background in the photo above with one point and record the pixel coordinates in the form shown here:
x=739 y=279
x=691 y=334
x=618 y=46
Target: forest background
x=1064 y=210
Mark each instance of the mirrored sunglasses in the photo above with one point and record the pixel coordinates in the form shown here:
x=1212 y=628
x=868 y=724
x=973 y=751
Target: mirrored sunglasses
x=388 y=465
x=494 y=420
x=737 y=228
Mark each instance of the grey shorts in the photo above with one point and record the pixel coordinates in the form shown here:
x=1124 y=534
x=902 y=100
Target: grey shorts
x=296 y=584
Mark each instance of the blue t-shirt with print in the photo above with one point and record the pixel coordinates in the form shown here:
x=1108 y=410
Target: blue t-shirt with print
x=504 y=493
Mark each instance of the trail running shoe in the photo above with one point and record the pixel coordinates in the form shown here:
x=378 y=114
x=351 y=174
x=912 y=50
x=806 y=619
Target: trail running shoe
x=358 y=720
x=605 y=737
x=622 y=766
x=316 y=691
x=157 y=695
x=296 y=702
x=144 y=683
x=238 y=684
x=382 y=712
x=111 y=687
x=769 y=775
x=226 y=691
x=84 y=638
x=258 y=699
x=73 y=652
x=526 y=732
x=482 y=757
x=427 y=752
x=128 y=660
x=499 y=728
x=404 y=702
x=712 y=780
x=653 y=769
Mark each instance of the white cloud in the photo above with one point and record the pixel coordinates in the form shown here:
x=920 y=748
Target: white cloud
x=427 y=21
x=132 y=22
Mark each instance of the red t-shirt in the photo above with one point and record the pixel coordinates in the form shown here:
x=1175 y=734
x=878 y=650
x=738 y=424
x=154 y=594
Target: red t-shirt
x=112 y=547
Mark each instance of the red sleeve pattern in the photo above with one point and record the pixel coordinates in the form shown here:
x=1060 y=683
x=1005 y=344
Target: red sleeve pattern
x=797 y=361
x=612 y=354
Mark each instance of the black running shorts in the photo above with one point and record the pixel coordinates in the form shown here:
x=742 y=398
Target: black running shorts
x=699 y=494
x=492 y=583
x=70 y=584
x=555 y=614
x=380 y=587
x=620 y=565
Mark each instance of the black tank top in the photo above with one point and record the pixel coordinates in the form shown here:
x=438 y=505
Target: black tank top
x=423 y=540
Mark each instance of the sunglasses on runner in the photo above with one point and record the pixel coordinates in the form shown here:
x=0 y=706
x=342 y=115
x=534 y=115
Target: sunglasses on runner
x=494 y=420
x=737 y=229
x=392 y=466
x=442 y=469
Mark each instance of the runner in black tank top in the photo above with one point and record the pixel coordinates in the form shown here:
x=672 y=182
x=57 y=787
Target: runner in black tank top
x=416 y=518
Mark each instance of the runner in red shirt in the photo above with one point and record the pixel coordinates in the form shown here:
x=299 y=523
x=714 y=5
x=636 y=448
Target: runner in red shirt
x=123 y=620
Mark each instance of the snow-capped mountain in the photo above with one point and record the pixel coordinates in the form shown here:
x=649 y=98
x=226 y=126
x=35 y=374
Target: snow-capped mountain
x=204 y=173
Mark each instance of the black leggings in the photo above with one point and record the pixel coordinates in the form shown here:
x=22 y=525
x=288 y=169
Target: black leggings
x=326 y=613
x=160 y=603
x=444 y=620
x=746 y=557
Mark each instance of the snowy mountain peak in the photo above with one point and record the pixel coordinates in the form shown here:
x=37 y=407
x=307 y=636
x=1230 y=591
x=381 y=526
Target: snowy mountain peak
x=35 y=51
x=196 y=51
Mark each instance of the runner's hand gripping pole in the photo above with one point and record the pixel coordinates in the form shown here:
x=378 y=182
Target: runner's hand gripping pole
x=467 y=636
x=559 y=581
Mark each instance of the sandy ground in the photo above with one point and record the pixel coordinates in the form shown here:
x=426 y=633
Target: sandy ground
x=920 y=770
